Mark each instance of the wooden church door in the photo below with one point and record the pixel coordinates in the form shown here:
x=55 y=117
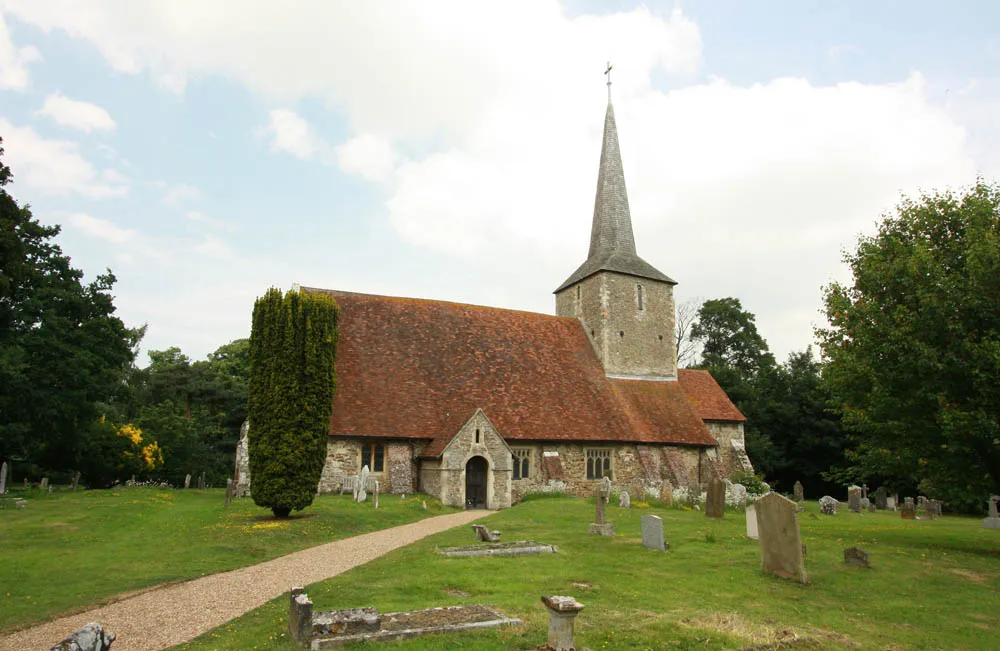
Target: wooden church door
x=475 y=483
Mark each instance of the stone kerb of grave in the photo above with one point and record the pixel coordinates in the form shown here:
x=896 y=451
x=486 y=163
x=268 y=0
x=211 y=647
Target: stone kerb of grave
x=323 y=629
x=781 y=548
x=562 y=611
x=715 y=502
x=652 y=533
x=516 y=548
x=752 y=522
x=992 y=521
x=90 y=637
x=856 y=556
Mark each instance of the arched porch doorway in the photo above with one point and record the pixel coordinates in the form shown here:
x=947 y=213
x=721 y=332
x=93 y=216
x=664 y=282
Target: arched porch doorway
x=475 y=483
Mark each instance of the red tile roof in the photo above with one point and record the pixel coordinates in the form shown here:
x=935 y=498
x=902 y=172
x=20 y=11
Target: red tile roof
x=419 y=369
x=708 y=398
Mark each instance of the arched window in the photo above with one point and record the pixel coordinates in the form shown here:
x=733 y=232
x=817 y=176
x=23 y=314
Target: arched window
x=598 y=463
x=638 y=292
x=373 y=456
x=522 y=462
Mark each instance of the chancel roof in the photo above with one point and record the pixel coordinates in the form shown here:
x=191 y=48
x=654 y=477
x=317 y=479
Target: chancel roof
x=418 y=369
x=612 y=243
x=707 y=397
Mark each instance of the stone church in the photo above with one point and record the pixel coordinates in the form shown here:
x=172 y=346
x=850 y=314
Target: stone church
x=478 y=406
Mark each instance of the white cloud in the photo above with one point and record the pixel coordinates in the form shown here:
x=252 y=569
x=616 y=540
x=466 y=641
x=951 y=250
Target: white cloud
x=75 y=114
x=290 y=133
x=368 y=155
x=99 y=228
x=180 y=193
x=14 y=61
x=56 y=166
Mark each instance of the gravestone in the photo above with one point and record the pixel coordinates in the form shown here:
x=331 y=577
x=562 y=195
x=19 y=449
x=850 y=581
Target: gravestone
x=828 y=505
x=485 y=535
x=363 y=485
x=562 y=612
x=667 y=493
x=375 y=496
x=229 y=491
x=909 y=511
x=935 y=507
x=201 y=481
x=752 y=522
x=90 y=637
x=855 y=556
x=606 y=488
x=781 y=549
x=652 y=532
x=187 y=480
x=600 y=525
x=866 y=504
x=739 y=493
x=890 y=503
x=881 y=499
x=76 y=480
x=715 y=502
x=798 y=492
x=624 y=501
x=992 y=521
x=3 y=478
x=854 y=499
x=45 y=483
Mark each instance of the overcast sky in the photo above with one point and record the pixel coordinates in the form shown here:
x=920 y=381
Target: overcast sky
x=206 y=150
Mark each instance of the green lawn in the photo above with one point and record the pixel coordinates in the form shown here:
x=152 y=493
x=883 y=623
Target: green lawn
x=933 y=584
x=73 y=550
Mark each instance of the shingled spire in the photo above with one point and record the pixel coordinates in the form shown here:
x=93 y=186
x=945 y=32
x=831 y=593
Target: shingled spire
x=612 y=244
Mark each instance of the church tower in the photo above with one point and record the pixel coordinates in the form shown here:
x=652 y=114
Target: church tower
x=625 y=304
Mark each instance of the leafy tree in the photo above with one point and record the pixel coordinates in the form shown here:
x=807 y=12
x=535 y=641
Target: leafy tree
x=62 y=349
x=293 y=344
x=914 y=345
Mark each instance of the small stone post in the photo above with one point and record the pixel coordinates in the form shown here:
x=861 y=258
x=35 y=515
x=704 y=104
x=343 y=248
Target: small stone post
x=375 y=495
x=229 y=491
x=562 y=612
x=300 y=615
x=3 y=478
x=187 y=481
x=76 y=480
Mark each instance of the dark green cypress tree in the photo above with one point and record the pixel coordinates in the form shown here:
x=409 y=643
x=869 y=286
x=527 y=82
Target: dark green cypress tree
x=293 y=345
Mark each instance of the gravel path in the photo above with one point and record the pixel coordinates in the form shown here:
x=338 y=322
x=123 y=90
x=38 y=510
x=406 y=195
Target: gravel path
x=164 y=617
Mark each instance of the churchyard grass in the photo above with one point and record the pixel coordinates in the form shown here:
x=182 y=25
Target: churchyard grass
x=932 y=585
x=69 y=551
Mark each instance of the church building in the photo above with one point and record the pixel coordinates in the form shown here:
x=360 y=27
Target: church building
x=478 y=406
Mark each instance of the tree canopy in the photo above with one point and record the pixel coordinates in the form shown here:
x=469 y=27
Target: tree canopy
x=62 y=348
x=914 y=345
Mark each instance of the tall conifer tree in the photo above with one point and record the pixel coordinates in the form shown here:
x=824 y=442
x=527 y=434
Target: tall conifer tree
x=293 y=345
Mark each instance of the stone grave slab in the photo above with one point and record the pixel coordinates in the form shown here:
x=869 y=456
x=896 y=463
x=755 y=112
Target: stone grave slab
x=855 y=556
x=752 y=522
x=781 y=549
x=652 y=533
x=715 y=501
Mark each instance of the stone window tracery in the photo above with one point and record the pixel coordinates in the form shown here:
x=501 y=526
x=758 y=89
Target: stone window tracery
x=522 y=462
x=598 y=463
x=373 y=456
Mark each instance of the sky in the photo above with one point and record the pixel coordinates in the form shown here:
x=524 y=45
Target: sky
x=207 y=150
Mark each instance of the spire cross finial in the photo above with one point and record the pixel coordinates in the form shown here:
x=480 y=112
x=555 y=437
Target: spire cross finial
x=608 y=73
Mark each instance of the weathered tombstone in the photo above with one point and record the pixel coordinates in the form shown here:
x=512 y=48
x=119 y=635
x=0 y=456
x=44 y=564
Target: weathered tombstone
x=855 y=556
x=881 y=499
x=909 y=511
x=76 y=480
x=485 y=535
x=606 y=488
x=798 y=492
x=45 y=483
x=25 y=482
x=866 y=504
x=375 y=495
x=363 y=485
x=890 y=503
x=624 y=501
x=229 y=491
x=300 y=616
x=992 y=521
x=667 y=493
x=187 y=481
x=600 y=525
x=562 y=612
x=91 y=637
x=739 y=493
x=854 y=499
x=715 y=502
x=752 y=522
x=864 y=491
x=3 y=478
x=652 y=532
x=780 y=542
